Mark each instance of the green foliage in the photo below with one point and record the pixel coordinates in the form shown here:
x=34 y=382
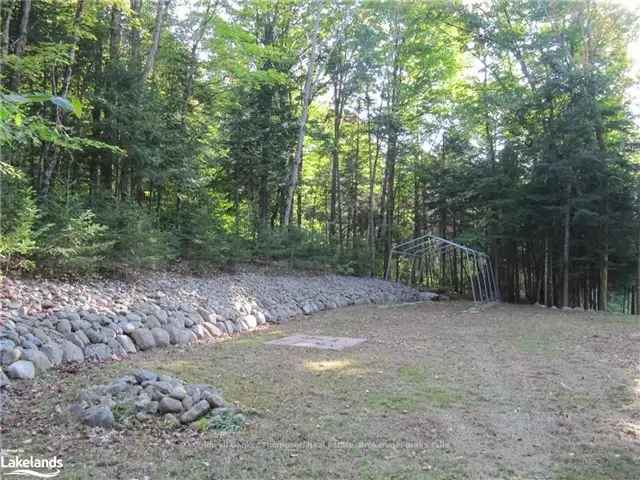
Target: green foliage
x=18 y=215
x=135 y=236
x=75 y=243
x=194 y=161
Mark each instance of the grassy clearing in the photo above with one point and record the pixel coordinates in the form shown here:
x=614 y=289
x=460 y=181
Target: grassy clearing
x=436 y=392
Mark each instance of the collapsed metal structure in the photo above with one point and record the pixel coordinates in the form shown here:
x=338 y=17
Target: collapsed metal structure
x=434 y=263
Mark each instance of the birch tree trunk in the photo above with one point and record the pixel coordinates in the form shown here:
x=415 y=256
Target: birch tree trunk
x=306 y=100
x=21 y=42
x=193 y=59
x=134 y=35
x=163 y=6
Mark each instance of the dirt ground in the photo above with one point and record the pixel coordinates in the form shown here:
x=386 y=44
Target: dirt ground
x=438 y=391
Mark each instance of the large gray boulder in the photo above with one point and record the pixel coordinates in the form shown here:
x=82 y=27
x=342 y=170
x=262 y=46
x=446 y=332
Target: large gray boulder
x=195 y=412
x=21 y=370
x=98 y=416
x=10 y=355
x=71 y=352
x=143 y=338
x=53 y=352
x=213 y=330
x=180 y=336
x=161 y=337
x=39 y=359
x=97 y=352
x=169 y=405
x=63 y=326
x=126 y=343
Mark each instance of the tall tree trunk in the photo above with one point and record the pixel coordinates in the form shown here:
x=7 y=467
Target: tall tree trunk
x=5 y=39
x=392 y=149
x=306 y=100
x=161 y=11
x=115 y=35
x=51 y=163
x=373 y=168
x=134 y=34
x=638 y=274
x=565 y=251
x=193 y=58
x=546 y=271
x=21 y=42
x=335 y=210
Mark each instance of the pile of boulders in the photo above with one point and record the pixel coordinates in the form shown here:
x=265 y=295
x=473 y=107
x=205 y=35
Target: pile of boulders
x=44 y=324
x=144 y=394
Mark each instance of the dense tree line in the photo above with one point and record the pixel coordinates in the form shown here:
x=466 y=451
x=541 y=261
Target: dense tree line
x=148 y=132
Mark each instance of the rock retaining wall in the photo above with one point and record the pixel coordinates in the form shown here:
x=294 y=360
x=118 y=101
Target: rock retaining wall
x=45 y=324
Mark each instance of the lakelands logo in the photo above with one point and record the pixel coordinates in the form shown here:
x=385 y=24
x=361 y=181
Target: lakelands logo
x=29 y=466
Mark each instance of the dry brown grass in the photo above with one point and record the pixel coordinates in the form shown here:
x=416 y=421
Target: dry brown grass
x=439 y=391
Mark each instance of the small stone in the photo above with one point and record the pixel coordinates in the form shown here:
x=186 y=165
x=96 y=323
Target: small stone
x=117 y=350
x=21 y=370
x=213 y=330
x=206 y=316
x=171 y=420
x=95 y=335
x=152 y=408
x=53 y=352
x=7 y=344
x=215 y=401
x=152 y=322
x=71 y=352
x=39 y=359
x=145 y=376
x=10 y=355
x=126 y=343
x=4 y=380
x=187 y=403
x=161 y=337
x=169 y=405
x=180 y=336
x=143 y=338
x=195 y=412
x=84 y=339
x=63 y=326
x=308 y=308
x=178 y=393
x=128 y=328
x=98 y=416
x=134 y=317
x=97 y=352
x=199 y=331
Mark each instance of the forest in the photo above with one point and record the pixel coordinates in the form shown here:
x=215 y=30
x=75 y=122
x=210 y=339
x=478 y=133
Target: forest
x=198 y=134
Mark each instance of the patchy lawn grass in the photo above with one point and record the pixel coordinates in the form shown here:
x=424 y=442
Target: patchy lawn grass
x=438 y=391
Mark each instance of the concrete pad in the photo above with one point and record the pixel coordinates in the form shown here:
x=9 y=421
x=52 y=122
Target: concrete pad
x=314 y=341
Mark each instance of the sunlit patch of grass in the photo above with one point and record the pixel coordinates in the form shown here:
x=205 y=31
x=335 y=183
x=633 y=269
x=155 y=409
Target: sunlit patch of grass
x=327 y=365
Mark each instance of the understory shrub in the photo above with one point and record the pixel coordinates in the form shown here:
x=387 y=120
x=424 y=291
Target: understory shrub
x=18 y=215
x=75 y=243
x=204 y=240
x=302 y=248
x=137 y=239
